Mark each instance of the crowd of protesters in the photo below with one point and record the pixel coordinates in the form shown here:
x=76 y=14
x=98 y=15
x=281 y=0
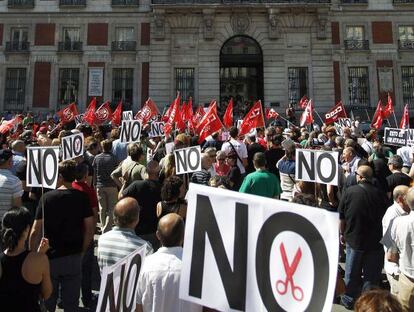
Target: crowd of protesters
x=131 y=200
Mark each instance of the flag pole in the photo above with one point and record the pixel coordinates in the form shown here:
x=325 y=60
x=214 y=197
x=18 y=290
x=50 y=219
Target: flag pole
x=319 y=116
x=395 y=119
x=366 y=111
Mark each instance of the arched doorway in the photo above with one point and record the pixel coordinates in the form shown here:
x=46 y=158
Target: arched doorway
x=241 y=73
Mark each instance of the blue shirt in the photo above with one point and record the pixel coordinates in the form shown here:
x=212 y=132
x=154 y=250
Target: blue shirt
x=119 y=150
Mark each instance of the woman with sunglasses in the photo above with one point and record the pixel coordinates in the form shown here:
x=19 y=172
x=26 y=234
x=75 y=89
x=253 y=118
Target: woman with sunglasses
x=220 y=166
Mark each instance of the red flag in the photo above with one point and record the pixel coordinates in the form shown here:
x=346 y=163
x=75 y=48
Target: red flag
x=149 y=110
x=189 y=112
x=89 y=115
x=405 y=120
x=103 y=113
x=68 y=113
x=378 y=117
x=209 y=124
x=117 y=115
x=183 y=110
x=228 y=115
x=307 y=115
x=303 y=102
x=213 y=105
x=253 y=119
x=167 y=113
x=174 y=116
x=389 y=108
x=271 y=114
x=338 y=111
x=8 y=125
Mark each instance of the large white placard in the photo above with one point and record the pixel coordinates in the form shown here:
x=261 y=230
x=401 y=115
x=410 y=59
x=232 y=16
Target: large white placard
x=119 y=283
x=127 y=115
x=79 y=119
x=317 y=166
x=341 y=123
x=72 y=146
x=130 y=131
x=42 y=166
x=157 y=129
x=188 y=160
x=95 y=83
x=251 y=253
x=410 y=137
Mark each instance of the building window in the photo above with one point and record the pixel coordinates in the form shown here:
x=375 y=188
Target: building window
x=358 y=86
x=122 y=86
x=15 y=89
x=125 y=34
x=355 y=33
x=406 y=37
x=407 y=73
x=18 y=40
x=184 y=82
x=298 y=83
x=68 y=85
x=71 y=34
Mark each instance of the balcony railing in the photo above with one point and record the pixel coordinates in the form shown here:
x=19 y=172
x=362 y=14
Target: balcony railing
x=70 y=46
x=170 y=2
x=125 y=2
x=72 y=3
x=356 y=44
x=403 y=1
x=124 y=45
x=406 y=44
x=354 y=1
x=17 y=46
x=20 y=3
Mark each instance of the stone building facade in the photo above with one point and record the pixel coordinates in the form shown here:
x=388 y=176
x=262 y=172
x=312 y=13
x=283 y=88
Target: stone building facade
x=356 y=51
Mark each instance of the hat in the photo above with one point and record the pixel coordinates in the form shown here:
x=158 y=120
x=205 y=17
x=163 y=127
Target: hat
x=396 y=161
x=5 y=155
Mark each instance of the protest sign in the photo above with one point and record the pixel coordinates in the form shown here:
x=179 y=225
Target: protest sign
x=188 y=160
x=79 y=119
x=118 y=290
x=395 y=136
x=150 y=154
x=42 y=166
x=72 y=146
x=410 y=137
x=157 y=129
x=169 y=147
x=341 y=123
x=261 y=254
x=317 y=166
x=239 y=122
x=127 y=115
x=130 y=131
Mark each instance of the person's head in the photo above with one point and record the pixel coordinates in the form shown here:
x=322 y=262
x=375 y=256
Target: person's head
x=18 y=146
x=81 y=172
x=67 y=171
x=170 y=230
x=339 y=141
x=15 y=227
x=114 y=134
x=350 y=143
x=153 y=170
x=378 y=300
x=234 y=132
x=172 y=188
x=91 y=145
x=126 y=213
x=399 y=195
x=211 y=152
x=6 y=159
x=364 y=173
x=348 y=154
x=220 y=158
x=259 y=160
x=181 y=141
x=395 y=163
x=410 y=198
x=106 y=146
x=231 y=158
x=135 y=151
x=290 y=151
x=305 y=199
x=206 y=161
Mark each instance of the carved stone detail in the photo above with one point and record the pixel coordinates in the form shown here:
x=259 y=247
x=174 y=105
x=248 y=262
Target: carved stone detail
x=322 y=25
x=159 y=25
x=240 y=23
x=208 y=26
x=274 y=26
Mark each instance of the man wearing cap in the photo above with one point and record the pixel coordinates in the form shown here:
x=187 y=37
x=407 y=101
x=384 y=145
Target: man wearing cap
x=11 y=189
x=395 y=164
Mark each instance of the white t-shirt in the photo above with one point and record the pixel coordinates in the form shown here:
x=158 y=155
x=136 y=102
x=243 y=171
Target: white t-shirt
x=241 y=150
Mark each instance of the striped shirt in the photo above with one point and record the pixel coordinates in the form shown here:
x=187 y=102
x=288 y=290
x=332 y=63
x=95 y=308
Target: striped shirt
x=103 y=165
x=10 y=188
x=117 y=244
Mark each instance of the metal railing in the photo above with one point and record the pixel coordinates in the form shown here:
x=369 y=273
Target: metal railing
x=169 y=2
x=356 y=44
x=354 y=1
x=70 y=46
x=17 y=46
x=125 y=2
x=403 y=1
x=406 y=44
x=20 y=3
x=124 y=45
x=72 y=2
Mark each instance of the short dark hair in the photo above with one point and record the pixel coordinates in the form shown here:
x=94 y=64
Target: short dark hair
x=67 y=170
x=171 y=188
x=106 y=145
x=135 y=151
x=174 y=236
x=378 y=300
x=259 y=160
x=305 y=199
x=15 y=222
x=81 y=171
x=234 y=132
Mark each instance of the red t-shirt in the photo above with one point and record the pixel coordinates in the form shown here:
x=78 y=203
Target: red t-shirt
x=90 y=191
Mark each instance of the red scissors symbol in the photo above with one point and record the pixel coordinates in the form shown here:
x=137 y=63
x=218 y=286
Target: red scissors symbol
x=282 y=286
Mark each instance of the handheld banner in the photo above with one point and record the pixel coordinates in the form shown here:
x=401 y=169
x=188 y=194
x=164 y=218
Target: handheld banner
x=341 y=123
x=42 y=166
x=157 y=129
x=130 y=131
x=188 y=160
x=79 y=119
x=119 y=282
x=72 y=146
x=127 y=115
x=261 y=254
x=317 y=166
x=410 y=137
x=395 y=136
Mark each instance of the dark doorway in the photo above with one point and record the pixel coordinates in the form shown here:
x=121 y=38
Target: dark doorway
x=241 y=74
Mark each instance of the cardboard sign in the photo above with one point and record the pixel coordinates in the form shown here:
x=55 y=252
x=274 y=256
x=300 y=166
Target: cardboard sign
x=42 y=166
x=157 y=129
x=79 y=119
x=395 y=136
x=410 y=137
x=127 y=115
x=341 y=123
x=261 y=254
x=72 y=146
x=188 y=160
x=130 y=131
x=169 y=147
x=118 y=290
x=150 y=154
x=317 y=166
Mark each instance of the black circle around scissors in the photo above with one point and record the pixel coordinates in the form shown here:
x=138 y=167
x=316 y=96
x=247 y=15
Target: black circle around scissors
x=287 y=221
